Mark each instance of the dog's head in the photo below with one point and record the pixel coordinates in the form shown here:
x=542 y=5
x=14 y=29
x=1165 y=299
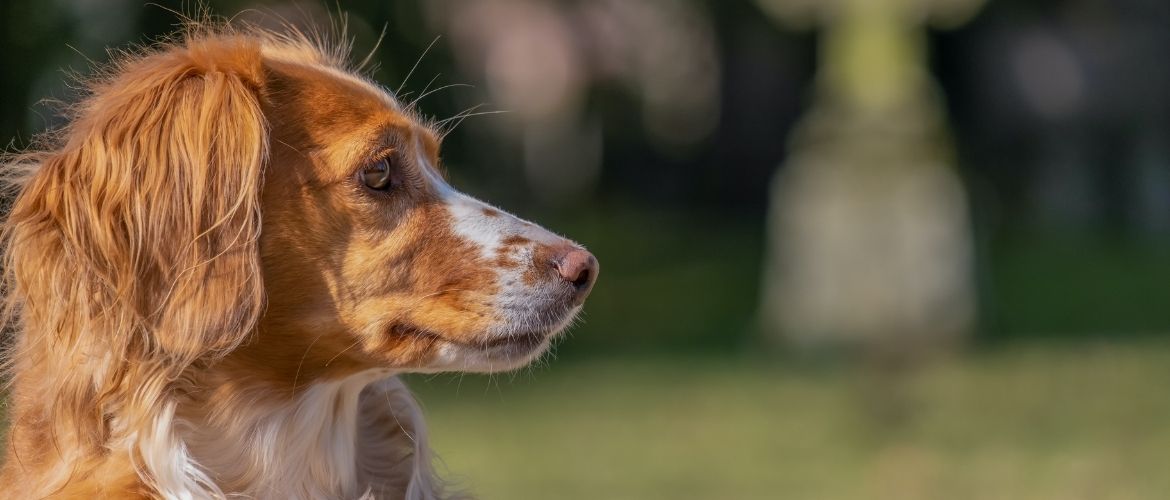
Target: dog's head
x=369 y=252
x=245 y=193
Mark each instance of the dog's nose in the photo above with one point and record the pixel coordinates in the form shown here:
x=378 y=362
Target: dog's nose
x=579 y=268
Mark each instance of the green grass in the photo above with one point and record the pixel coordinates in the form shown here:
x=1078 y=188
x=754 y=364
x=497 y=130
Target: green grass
x=1039 y=422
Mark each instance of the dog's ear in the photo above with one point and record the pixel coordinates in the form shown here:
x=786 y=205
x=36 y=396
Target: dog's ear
x=138 y=237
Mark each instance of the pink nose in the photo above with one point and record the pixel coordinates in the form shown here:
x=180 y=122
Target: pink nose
x=578 y=267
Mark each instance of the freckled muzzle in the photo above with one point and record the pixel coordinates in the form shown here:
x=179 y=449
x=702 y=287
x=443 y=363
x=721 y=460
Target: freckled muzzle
x=543 y=279
x=539 y=281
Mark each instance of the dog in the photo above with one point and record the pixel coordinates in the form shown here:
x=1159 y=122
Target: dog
x=215 y=271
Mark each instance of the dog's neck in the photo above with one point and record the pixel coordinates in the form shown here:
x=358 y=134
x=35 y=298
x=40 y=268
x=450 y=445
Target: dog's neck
x=340 y=438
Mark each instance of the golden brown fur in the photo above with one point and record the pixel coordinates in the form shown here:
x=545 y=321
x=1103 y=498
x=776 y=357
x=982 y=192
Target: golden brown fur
x=203 y=298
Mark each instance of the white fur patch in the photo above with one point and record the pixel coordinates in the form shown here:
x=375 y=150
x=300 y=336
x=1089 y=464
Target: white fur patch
x=167 y=461
x=320 y=445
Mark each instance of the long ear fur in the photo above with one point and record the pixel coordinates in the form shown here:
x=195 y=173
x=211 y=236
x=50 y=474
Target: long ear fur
x=131 y=249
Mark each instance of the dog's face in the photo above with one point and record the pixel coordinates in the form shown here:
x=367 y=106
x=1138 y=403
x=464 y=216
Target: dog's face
x=370 y=258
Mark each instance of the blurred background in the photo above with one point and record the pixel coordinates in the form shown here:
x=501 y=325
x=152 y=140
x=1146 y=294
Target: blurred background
x=851 y=249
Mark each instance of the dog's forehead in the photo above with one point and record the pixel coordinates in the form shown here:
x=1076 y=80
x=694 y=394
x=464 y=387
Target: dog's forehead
x=339 y=114
x=326 y=79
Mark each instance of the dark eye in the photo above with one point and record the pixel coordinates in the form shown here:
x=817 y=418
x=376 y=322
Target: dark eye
x=377 y=175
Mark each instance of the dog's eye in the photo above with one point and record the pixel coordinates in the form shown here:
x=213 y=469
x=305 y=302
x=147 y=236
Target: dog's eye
x=377 y=175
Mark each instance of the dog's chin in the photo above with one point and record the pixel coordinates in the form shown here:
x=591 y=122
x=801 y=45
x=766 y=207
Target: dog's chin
x=506 y=348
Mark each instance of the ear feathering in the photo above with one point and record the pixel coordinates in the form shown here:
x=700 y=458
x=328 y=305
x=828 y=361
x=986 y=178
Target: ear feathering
x=133 y=289
x=130 y=252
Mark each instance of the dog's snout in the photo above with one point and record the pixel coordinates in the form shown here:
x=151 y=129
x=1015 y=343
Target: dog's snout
x=578 y=267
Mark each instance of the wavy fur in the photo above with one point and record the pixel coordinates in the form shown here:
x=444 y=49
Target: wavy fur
x=208 y=299
x=131 y=265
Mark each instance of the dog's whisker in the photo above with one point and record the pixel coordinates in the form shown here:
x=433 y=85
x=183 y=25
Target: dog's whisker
x=416 y=63
x=461 y=114
x=427 y=93
x=290 y=146
x=378 y=43
x=459 y=120
x=301 y=363
x=343 y=351
x=481 y=113
x=394 y=414
x=423 y=92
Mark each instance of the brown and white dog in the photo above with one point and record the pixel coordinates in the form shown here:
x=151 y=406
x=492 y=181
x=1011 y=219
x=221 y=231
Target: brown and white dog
x=217 y=268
